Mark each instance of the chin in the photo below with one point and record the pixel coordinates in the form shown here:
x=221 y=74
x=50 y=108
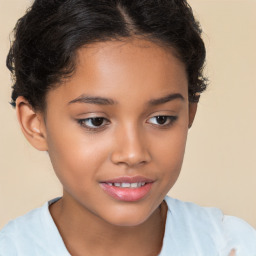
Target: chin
x=128 y=218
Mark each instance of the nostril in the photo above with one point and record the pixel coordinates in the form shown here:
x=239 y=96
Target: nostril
x=120 y=157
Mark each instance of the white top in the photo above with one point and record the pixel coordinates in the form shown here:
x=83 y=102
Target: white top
x=190 y=230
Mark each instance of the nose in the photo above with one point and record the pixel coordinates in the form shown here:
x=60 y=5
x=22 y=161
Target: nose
x=130 y=148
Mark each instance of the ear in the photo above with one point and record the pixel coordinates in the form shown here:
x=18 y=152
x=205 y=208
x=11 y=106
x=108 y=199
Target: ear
x=32 y=124
x=192 y=113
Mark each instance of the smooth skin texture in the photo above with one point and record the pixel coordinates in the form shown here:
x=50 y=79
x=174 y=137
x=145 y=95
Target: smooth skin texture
x=138 y=90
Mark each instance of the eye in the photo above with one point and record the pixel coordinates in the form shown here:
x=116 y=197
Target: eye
x=162 y=121
x=93 y=123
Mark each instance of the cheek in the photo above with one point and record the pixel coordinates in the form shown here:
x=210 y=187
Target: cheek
x=169 y=154
x=170 y=162
x=76 y=158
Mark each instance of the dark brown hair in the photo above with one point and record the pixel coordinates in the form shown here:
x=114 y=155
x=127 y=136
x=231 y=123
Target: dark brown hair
x=48 y=36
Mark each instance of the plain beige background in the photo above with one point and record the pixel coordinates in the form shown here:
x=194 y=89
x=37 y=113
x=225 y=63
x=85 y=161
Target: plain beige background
x=220 y=162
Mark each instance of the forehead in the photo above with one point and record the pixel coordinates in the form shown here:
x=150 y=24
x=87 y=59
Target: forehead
x=124 y=70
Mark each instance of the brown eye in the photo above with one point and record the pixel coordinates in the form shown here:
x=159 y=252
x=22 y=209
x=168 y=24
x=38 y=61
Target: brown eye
x=162 y=121
x=93 y=122
x=98 y=121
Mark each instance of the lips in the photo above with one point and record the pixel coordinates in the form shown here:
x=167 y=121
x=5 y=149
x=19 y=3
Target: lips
x=129 y=189
x=128 y=179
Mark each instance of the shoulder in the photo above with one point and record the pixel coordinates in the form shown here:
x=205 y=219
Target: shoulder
x=193 y=216
x=209 y=227
x=240 y=235
x=32 y=234
x=7 y=247
x=21 y=231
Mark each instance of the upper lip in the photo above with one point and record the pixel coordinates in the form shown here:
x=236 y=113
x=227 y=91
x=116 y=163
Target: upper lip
x=129 y=179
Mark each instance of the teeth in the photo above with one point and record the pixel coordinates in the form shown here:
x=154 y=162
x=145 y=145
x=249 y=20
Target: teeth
x=127 y=185
x=135 y=185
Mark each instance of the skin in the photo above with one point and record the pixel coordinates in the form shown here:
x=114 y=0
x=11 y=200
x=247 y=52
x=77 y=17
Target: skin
x=130 y=142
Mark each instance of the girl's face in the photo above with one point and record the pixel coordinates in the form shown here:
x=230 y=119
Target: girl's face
x=116 y=130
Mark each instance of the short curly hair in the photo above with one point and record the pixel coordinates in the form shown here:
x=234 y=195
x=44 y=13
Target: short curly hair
x=47 y=37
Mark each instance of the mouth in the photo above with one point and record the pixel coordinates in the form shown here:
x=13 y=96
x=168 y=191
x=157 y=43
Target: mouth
x=128 y=189
x=127 y=185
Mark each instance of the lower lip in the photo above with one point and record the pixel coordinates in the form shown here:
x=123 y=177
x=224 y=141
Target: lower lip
x=127 y=194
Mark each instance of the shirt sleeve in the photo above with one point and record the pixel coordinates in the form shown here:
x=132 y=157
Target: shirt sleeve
x=240 y=236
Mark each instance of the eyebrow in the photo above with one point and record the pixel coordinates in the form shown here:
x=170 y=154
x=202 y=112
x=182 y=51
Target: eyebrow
x=93 y=100
x=166 y=99
x=106 y=101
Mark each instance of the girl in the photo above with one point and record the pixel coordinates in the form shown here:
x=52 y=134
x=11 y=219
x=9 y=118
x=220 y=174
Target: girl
x=109 y=88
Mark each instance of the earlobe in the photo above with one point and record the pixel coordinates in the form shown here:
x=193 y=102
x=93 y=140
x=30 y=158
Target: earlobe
x=32 y=124
x=192 y=113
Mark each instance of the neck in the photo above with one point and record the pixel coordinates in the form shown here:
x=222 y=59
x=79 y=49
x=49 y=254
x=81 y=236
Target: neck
x=84 y=233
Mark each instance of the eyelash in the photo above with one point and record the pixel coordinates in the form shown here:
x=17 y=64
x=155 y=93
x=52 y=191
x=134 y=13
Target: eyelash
x=82 y=122
x=171 y=120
